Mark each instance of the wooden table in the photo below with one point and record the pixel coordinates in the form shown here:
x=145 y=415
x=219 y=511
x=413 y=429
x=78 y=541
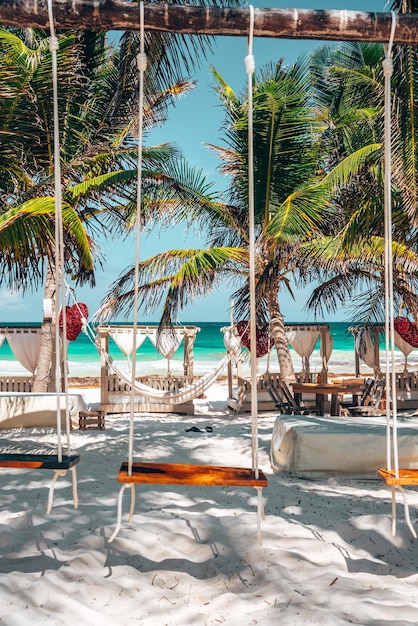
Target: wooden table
x=321 y=390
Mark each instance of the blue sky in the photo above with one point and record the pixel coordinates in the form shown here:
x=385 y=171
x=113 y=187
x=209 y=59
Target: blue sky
x=196 y=121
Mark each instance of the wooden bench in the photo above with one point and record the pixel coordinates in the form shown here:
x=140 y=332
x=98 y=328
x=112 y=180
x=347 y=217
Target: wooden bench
x=184 y=474
x=45 y=461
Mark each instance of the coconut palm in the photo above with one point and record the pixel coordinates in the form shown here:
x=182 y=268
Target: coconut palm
x=292 y=205
x=352 y=81
x=98 y=159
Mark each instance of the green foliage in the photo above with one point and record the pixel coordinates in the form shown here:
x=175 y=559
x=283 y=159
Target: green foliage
x=98 y=120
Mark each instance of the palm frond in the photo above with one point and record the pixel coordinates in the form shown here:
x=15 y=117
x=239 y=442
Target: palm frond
x=183 y=275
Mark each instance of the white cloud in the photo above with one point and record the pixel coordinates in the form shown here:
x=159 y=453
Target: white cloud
x=15 y=308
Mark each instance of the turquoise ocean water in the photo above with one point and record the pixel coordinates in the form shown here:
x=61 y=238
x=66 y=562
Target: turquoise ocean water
x=84 y=359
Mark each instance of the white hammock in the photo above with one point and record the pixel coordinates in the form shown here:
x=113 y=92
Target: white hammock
x=176 y=396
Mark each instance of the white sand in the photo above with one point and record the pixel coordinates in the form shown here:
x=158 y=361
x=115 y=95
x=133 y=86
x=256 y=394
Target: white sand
x=191 y=554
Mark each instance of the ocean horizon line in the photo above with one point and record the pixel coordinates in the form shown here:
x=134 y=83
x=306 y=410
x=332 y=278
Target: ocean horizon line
x=209 y=349
x=13 y=324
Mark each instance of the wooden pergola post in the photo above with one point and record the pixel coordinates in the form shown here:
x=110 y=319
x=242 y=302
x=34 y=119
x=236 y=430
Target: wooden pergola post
x=104 y=367
x=188 y=358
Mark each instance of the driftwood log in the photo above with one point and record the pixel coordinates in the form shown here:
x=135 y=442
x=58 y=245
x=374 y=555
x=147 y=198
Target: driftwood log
x=337 y=25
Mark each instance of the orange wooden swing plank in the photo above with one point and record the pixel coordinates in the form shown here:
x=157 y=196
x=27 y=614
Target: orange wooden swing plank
x=38 y=461
x=177 y=474
x=406 y=476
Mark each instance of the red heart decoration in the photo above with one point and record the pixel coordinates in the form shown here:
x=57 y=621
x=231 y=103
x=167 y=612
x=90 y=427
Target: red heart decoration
x=76 y=317
x=263 y=337
x=407 y=330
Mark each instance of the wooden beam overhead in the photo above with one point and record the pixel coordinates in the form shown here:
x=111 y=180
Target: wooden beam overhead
x=337 y=25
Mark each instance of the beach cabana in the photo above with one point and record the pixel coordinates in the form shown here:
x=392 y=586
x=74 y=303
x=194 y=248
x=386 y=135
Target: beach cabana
x=24 y=343
x=114 y=386
x=367 y=351
x=302 y=338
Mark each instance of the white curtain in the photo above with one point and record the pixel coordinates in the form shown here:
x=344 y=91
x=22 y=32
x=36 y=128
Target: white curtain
x=2 y=338
x=365 y=348
x=167 y=342
x=123 y=338
x=25 y=347
x=303 y=342
x=232 y=342
x=404 y=347
x=326 y=349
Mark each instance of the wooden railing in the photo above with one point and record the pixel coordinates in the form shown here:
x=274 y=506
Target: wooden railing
x=16 y=384
x=115 y=396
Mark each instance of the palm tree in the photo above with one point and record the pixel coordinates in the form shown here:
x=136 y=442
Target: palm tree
x=292 y=193
x=98 y=155
x=351 y=79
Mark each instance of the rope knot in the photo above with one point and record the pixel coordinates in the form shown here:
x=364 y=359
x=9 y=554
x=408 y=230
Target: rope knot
x=387 y=66
x=53 y=44
x=141 y=60
x=250 y=64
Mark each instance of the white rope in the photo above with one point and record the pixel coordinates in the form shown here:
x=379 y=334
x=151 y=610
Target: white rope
x=59 y=250
x=250 y=68
x=142 y=64
x=391 y=402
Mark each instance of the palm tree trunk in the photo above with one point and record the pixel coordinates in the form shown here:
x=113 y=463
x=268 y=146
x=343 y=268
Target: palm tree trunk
x=45 y=374
x=287 y=371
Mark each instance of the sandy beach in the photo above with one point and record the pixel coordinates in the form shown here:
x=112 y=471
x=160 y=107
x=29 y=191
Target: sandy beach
x=191 y=555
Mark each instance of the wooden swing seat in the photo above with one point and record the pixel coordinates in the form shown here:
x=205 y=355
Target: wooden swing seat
x=178 y=474
x=38 y=461
x=406 y=476
x=45 y=461
x=184 y=474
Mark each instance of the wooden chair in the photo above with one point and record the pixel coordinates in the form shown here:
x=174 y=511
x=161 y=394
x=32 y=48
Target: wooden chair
x=281 y=395
x=284 y=399
x=373 y=407
x=348 y=408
